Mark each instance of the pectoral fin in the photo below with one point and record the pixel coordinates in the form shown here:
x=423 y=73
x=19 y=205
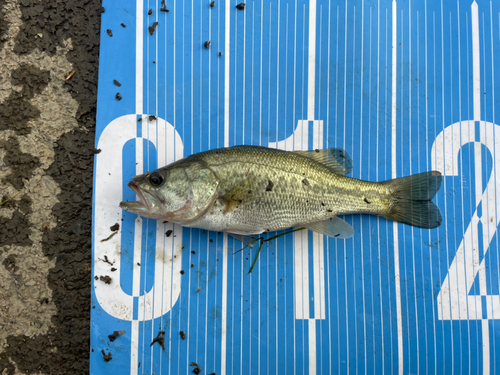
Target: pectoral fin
x=240 y=195
x=336 y=228
x=337 y=159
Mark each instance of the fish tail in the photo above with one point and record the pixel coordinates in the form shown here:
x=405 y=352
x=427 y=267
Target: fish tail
x=410 y=200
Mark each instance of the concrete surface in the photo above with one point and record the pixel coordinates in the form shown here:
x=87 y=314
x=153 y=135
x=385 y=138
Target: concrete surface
x=46 y=160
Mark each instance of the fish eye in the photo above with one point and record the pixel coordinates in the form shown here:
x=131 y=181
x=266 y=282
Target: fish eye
x=156 y=179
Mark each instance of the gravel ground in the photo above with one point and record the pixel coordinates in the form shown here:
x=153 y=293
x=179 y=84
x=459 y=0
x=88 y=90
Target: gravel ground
x=47 y=124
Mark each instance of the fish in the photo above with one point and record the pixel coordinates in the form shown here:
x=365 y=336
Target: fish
x=250 y=190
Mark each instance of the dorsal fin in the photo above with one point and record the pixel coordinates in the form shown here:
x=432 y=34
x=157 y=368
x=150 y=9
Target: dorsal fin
x=337 y=159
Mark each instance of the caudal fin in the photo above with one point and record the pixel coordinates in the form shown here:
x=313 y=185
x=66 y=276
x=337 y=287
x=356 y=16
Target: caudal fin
x=411 y=200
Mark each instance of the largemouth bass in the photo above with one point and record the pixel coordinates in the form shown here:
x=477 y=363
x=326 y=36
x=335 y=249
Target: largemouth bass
x=247 y=190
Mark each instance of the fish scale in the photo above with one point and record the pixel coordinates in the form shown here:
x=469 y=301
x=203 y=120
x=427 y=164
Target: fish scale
x=291 y=202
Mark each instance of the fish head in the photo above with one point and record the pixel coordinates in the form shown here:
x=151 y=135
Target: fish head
x=179 y=193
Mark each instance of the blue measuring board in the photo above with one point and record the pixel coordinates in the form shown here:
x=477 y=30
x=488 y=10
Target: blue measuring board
x=403 y=86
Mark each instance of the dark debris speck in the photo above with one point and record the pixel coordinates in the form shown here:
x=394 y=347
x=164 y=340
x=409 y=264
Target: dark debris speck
x=115 y=335
x=160 y=339
x=197 y=368
x=107 y=357
x=164 y=6
x=152 y=28
x=106 y=279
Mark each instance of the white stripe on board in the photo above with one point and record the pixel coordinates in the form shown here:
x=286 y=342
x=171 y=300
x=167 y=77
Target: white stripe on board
x=319 y=276
x=226 y=144
x=226 y=77
x=301 y=274
x=224 y=306
x=312 y=346
x=490 y=199
x=394 y=86
x=311 y=66
x=134 y=349
x=136 y=273
x=476 y=80
x=138 y=56
x=397 y=276
x=485 y=325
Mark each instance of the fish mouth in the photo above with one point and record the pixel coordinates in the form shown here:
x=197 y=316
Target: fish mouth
x=139 y=193
x=139 y=207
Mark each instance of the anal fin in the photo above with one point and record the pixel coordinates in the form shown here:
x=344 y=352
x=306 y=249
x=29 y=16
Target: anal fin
x=336 y=228
x=247 y=240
